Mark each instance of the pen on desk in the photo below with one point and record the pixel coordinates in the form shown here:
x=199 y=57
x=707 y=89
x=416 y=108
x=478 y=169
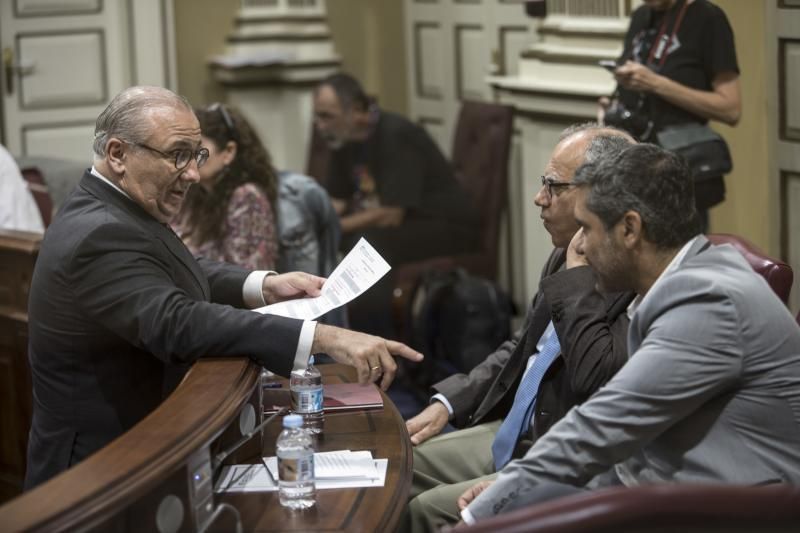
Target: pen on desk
x=271 y=477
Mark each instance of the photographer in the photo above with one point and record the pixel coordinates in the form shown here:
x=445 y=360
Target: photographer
x=678 y=67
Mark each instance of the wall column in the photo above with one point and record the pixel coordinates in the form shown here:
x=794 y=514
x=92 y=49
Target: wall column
x=279 y=50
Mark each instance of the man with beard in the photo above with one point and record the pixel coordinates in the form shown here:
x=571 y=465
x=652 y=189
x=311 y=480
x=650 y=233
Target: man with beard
x=711 y=392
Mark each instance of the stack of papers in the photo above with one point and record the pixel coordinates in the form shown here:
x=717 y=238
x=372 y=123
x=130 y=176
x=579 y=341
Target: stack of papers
x=332 y=470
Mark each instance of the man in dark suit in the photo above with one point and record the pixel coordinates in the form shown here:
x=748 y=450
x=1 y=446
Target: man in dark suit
x=590 y=327
x=119 y=308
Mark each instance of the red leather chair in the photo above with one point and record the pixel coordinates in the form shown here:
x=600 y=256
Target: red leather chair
x=481 y=147
x=661 y=508
x=41 y=195
x=778 y=274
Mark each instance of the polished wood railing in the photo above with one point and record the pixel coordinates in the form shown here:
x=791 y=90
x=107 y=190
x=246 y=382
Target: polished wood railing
x=123 y=486
x=157 y=476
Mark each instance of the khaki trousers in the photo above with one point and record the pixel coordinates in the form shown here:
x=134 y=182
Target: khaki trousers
x=444 y=467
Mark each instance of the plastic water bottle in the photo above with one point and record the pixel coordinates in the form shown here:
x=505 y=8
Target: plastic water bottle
x=295 y=451
x=306 y=389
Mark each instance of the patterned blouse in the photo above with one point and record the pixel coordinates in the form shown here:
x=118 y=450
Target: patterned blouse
x=250 y=238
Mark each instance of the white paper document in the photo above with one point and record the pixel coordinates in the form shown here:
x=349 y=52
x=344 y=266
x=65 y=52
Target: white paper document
x=358 y=271
x=332 y=470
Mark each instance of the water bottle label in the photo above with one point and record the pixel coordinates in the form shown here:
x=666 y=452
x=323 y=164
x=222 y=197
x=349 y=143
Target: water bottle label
x=307 y=401
x=298 y=469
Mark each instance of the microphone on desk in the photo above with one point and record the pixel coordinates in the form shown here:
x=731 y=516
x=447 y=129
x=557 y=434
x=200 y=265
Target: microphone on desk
x=246 y=419
x=224 y=454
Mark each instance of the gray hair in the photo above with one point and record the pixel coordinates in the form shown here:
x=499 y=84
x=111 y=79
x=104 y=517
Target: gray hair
x=649 y=180
x=605 y=141
x=125 y=116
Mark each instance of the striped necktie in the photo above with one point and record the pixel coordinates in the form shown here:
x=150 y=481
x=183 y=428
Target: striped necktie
x=519 y=418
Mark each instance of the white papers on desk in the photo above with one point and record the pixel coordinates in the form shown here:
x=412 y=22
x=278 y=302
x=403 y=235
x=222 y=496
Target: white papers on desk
x=332 y=470
x=357 y=272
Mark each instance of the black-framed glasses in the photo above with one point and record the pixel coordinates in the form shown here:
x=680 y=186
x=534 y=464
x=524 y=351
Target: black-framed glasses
x=226 y=118
x=552 y=185
x=182 y=156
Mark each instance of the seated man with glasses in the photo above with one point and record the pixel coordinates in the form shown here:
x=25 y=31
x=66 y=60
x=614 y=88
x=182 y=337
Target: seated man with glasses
x=119 y=308
x=572 y=342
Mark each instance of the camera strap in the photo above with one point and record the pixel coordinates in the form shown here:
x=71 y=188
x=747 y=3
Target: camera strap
x=659 y=47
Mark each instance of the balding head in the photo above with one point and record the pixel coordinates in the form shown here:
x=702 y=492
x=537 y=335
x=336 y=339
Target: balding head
x=577 y=145
x=127 y=116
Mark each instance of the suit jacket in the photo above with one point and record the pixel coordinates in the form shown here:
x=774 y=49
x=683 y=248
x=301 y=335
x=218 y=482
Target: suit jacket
x=592 y=329
x=118 y=311
x=711 y=393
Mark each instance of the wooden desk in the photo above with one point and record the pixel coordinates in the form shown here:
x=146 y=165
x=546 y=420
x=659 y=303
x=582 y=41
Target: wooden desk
x=381 y=431
x=124 y=486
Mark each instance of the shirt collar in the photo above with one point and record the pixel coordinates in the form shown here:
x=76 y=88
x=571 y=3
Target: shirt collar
x=97 y=174
x=672 y=266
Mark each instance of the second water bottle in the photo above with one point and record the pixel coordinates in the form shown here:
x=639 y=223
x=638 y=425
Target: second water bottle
x=306 y=390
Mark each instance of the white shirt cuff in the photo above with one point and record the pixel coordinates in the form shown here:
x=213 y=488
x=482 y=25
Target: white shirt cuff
x=467 y=517
x=304 y=345
x=439 y=397
x=253 y=288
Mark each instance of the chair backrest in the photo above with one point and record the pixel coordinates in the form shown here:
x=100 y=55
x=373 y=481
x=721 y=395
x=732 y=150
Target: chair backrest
x=481 y=147
x=778 y=274
x=654 y=508
x=41 y=194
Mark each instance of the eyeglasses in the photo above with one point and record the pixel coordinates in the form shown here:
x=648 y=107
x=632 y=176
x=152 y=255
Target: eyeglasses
x=226 y=118
x=182 y=155
x=552 y=184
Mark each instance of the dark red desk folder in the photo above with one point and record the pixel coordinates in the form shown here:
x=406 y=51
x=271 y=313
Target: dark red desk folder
x=337 y=397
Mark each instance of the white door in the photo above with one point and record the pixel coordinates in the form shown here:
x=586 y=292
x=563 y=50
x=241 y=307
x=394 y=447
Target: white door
x=452 y=47
x=63 y=61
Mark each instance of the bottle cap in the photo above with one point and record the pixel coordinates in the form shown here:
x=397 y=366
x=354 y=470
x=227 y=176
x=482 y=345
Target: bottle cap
x=292 y=421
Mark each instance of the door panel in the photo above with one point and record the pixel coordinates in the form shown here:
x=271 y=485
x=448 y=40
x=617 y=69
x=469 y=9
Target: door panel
x=46 y=87
x=64 y=60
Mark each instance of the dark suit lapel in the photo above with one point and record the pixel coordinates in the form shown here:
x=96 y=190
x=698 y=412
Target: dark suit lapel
x=164 y=233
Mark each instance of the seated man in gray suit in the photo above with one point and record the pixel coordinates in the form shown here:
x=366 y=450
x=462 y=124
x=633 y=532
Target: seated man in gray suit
x=711 y=393
x=573 y=341
x=119 y=309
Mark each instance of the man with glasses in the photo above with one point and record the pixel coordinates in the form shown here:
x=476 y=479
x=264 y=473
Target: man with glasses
x=572 y=342
x=119 y=309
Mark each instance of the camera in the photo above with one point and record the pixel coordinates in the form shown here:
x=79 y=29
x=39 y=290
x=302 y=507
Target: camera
x=637 y=123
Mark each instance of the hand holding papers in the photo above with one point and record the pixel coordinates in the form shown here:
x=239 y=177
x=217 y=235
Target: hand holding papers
x=357 y=272
x=332 y=470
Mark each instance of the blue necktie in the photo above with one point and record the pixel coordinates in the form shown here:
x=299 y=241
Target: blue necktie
x=519 y=418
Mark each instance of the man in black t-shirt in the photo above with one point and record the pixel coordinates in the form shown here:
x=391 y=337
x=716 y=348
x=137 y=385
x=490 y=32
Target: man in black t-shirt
x=679 y=66
x=390 y=184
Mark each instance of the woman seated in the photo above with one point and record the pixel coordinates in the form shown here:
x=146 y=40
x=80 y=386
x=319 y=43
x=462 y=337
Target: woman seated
x=231 y=215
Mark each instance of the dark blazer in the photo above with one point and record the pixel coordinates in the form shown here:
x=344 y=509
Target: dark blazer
x=118 y=311
x=592 y=329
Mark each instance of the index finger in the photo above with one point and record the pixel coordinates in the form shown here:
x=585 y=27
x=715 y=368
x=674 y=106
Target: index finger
x=399 y=349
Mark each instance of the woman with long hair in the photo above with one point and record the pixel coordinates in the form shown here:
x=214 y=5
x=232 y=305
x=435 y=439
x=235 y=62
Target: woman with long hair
x=231 y=215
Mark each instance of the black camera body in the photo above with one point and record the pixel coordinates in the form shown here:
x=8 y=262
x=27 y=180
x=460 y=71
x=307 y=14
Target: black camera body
x=637 y=123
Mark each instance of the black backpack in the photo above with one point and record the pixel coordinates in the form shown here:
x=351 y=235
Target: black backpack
x=456 y=321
